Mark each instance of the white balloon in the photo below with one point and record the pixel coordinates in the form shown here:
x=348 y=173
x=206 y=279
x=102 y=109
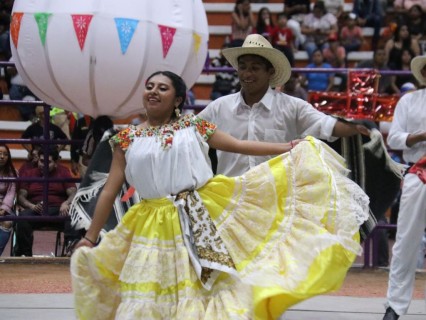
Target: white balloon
x=103 y=71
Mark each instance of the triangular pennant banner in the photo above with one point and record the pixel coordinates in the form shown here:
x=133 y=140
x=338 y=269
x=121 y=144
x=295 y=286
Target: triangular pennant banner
x=167 y=35
x=81 y=26
x=15 y=26
x=197 y=41
x=42 y=20
x=126 y=28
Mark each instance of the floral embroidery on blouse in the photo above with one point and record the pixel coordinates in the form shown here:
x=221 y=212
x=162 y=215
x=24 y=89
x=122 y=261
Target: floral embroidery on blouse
x=165 y=132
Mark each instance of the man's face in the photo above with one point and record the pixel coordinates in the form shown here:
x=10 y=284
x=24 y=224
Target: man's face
x=52 y=163
x=254 y=73
x=380 y=57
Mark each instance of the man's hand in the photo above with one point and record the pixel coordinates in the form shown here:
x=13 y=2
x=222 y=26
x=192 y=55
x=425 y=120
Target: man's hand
x=363 y=130
x=38 y=208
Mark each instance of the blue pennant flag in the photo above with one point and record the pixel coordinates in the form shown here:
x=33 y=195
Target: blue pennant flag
x=126 y=28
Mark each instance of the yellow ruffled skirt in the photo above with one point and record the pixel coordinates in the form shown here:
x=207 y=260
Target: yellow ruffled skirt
x=290 y=225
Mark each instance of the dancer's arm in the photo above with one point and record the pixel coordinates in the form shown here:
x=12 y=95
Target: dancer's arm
x=225 y=142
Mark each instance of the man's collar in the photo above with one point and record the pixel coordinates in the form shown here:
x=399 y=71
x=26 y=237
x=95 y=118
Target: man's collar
x=266 y=100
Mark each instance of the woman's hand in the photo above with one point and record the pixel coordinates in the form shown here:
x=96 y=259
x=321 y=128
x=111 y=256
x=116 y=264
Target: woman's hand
x=84 y=242
x=294 y=143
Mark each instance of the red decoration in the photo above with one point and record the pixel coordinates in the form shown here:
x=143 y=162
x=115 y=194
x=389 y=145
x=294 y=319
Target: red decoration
x=360 y=101
x=81 y=26
x=15 y=26
x=167 y=34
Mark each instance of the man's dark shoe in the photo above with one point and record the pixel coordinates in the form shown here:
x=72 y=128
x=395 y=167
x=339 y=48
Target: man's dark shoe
x=390 y=314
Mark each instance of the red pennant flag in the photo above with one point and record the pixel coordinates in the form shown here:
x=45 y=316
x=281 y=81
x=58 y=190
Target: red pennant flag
x=167 y=35
x=81 y=26
x=15 y=26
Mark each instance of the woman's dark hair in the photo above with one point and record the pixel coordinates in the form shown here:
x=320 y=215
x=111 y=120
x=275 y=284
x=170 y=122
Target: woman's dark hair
x=397 y=64
x=406 y=43
x=100 y=125
x=9 y=169
x=260 y=24
x=178 y=84
x=236 y=7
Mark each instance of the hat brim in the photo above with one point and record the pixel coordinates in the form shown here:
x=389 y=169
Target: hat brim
x=278 y=60
x=417 y=64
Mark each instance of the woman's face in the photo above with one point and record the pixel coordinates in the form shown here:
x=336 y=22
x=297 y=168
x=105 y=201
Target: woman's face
x=265 y=14
x=403 y=32
x=317 y=57
x=4 y=156
x=159 y=97
x=406 y=57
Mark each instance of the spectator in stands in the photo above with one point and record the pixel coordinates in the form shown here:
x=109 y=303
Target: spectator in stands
x=293 y=88
x=335 y=7
x=36 y=130
x=351 y=34
x=282 y=38
x=370 y=13
x=401 y=40
x=263 y=113
x=93 y=137
x=7 y=194
x=416 y=22
x=319 y=81
x=60 y=117
x=243 y=22
x=81 y=128
x=296 y=10
x=18 y=91
x=408 y=133
x=31 y=162
x=379 y=62
x=317 y=27
x=402 y=63
x=30 y=197
x=403 y=6
x=264 y=24
x=225 y=82
x=335 y=55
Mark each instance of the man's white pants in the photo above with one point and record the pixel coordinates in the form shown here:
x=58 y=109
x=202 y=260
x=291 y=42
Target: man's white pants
x=411 y=225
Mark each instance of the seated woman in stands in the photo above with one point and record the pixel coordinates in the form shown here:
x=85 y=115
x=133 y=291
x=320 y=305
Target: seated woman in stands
x=7 y=194
x=402 y=39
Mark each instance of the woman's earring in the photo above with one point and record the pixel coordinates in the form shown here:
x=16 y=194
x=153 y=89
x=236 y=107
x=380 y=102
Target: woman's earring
x=177 y=112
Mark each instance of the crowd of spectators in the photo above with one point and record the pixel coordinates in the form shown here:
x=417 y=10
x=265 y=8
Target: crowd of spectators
x=398 y=29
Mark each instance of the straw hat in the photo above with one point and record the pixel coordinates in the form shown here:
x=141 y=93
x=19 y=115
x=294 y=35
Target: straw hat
x=417 y=64
x=257 y=45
